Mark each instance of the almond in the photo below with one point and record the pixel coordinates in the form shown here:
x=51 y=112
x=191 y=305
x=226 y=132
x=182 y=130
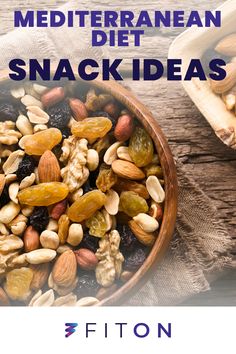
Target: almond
x=128 y=170
x=227 y=45
x=78 y=108
x=41 y=273
x=59 y=209
x=48 y=168
x=228 y=82
x=31 y=239
x=145 y=238
x=65 y=269
x=53 y=96
x=86 y=259
x=4 y=300
x=124 y=128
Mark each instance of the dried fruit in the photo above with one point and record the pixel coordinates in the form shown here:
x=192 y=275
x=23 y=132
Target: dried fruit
x=60 y=115
x=132 y=204
x=63 y=228
x=86 y=206
x=141 y=147
x=86 y=259
x=134 y=260
x=87 y=285
x=97 y=225
x=127 y=185
x=18 y=283
x=26 y=167
x=89 y=242
x=8 y=112
x=128 y=170
x=153 y=170
x=38 y=143
x=128 y=241
x=92 y=128
x=43 y=194
x=106 y=178
x=39 y=218
x=48 y=168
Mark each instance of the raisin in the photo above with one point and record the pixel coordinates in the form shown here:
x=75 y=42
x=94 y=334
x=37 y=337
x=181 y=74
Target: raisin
x=26 y=167
x=18 y=283
x=89 y=242
x=105 y=114
x=97 y=225
x=87 y=187
x=128 y=240
x=5 y=94
x=43 y=194
x=39 y=219
x=132 y=204
x=87 y=285
x=91 y=128
x=65 y=132
x=60 y=115
x=84 y=207
x=40 y=142
x=4 y=199
x=141 y=147
x=135 y=259
x=106 y=178
x=8 y=112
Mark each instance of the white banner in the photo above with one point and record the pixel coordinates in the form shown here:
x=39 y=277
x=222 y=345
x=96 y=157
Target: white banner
x=134 y=330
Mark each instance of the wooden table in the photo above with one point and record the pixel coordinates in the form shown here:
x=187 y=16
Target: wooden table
x=192 y=140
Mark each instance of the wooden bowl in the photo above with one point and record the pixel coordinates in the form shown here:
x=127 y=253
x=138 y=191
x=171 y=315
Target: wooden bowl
x=171 y=188
x=192 y=44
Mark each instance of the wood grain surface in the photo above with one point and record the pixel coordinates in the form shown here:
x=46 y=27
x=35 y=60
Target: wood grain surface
x=192 y=140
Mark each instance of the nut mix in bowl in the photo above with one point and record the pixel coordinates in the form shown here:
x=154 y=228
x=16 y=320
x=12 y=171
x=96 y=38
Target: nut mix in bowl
x=82 y=195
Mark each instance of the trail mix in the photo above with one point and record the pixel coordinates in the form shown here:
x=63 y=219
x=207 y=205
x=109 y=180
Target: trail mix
x=227 y=88
x=81 y=195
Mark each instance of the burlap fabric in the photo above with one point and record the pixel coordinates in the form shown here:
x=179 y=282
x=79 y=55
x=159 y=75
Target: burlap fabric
x=200 y=249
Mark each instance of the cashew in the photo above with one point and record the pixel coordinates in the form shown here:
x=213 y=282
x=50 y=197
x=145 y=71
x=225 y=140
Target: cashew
x=75 y=234
x=9 y=212
x=37 y=115
x=92 y=159
x=49 y=239
x=12 y=163
x=111 y=153
x=155 y=189
x=13 y=191
x=10 y=243
x=27 y=181
x=146 y=222
x=40 y=256
x=112 y=202
x=123 y=153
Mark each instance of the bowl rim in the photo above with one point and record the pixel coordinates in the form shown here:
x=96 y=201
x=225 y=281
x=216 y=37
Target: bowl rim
x=128 y=99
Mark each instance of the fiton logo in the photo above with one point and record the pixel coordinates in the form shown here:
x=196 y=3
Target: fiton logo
x=70 y=329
